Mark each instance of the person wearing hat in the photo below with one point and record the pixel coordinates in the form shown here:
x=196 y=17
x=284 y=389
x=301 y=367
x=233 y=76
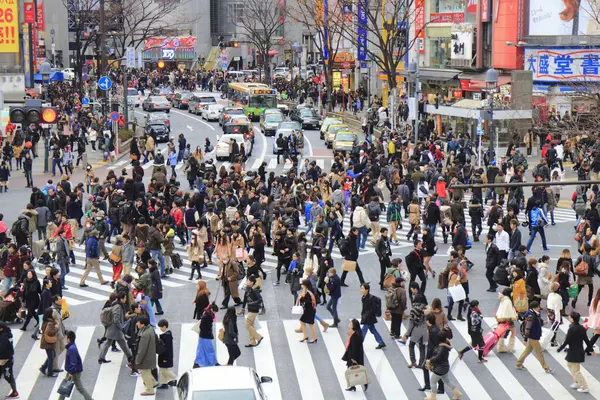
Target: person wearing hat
x=395 y=300
x=92 y=256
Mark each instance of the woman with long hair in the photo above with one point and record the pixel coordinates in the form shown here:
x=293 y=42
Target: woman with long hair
x=258 y=246
x=230 y=338
x=309 y=305
x=195 y=251
x=48 y=343
x=223 y=248
x=355 y=353
x=31 y=294
x=205 y=350
x=202 y=299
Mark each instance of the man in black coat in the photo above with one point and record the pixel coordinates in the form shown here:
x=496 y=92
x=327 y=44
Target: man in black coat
x=433 y=342
x=492 y=260
x=416 y=268
x=368 y=314
x=576 y=336
x=164 y=348
x=351 y=254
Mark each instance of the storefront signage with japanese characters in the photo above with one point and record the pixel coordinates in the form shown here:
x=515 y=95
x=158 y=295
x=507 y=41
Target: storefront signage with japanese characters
x=450 y=17
x=420 y=22
x=462 y=45
x=563 y=64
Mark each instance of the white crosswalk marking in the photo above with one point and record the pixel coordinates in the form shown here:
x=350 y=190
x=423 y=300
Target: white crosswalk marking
x=497 y=368
x=187 y=348
x=305 y=369
x=148 y=164
x=119 y=164
x=288 y=165
x=179 y=166
x=272 y=164
x=321 y=164
x=256 y=165
x=266 y=366
x=83 y=338
x=30 y=370
x=108 y=377
x=554 y=388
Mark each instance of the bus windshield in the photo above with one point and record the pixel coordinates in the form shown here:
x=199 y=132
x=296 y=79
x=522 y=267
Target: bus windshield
x=263 y=100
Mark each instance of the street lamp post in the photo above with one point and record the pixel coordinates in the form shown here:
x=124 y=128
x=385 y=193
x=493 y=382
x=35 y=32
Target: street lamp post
x=413 y=71
x=491 y=80
x=52 y=33
x=45 y=71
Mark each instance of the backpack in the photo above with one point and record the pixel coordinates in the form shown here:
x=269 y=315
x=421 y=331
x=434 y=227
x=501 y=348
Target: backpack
x=106 y=317
x=373 y=215
x=241 y=271
x=17 y=228
x=128 y=328
x=391 y=299
x=176 y=260
x=524 y=324
x=501 y=275
x=343 y=245
x=376 y=305
x=582 y=268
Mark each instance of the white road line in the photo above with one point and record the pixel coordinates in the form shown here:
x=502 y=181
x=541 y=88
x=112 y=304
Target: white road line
x=221 y=349
x=554 y=388
x=17 y=335
x=466 y=379
x=390 y=386
x=256 y=165
x=308 y=381
x=30 y=371
x=288 y=165
x=106 y=383
x=263 y=151
x=194 y=118
x=118 y=164
x=83 y=338
x=187 y=348
x=272 y=164
x=335 y=349
x=148 y=164
x=310 y=148
x=499 y=371
x=321 y=164
x=264 y=363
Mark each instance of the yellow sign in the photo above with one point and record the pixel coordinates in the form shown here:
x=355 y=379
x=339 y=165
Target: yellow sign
x=337 y=79
x=9 y=26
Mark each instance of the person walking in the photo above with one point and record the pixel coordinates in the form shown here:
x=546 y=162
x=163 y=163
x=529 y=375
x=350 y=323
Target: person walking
x=433 y=332
x=205 y=350
x=384 y=252
x=145 y=359
x=59 y=347
x=166 y=377
x=474 y=320
x=349 y=250
x=371 y=309
x=440 y=366
x=576 y=337
x=492 y=260
x=395 y=300
x=74 y=366
x=594 y=320
x=355 y=353
x=416 y=267
x=7 y=352
x=253 y=301
x=48 y=343
x=506 y=313
x=333 y=284
x=156 y=288
x=416 y=327
x=114 y=333
x=532 y=332
x=92 y=260
x=202 y=299
x=309 y=306
x=228 y=275
x=230 y=338
x=31 y=294
x=537 y=223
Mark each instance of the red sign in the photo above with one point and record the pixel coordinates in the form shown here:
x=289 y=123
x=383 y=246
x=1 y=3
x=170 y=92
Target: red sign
x=40 y=15
x=420 y=23
x=29 y=15
x=346 y=65
x=485 y=10
x=471 y=6
x=453 y=17
x=170 y=42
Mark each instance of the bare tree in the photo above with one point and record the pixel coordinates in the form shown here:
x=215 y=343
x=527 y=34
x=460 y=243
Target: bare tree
x=326 y=32
x=387 y=25
x=260 y=22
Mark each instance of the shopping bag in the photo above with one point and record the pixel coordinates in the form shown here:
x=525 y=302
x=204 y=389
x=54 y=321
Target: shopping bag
x=66 y=387
x=357 y=375
x=547 y=334
x=241 y=254
x=243 y=284
x=196 y=327
x=349 y=266
x=297 y=310
x=573 y=291
x=64 y=309
x=457 y=292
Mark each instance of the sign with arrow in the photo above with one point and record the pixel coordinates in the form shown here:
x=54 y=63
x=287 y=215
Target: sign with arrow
x=104 y=83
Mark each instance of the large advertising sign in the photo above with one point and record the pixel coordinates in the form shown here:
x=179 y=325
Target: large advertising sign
x=9 y=26
x=563 y=64
x=558 y=18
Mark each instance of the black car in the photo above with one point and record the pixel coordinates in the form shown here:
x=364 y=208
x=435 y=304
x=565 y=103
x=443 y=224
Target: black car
x=180 y=100
x=308 y=117
x=159 y=132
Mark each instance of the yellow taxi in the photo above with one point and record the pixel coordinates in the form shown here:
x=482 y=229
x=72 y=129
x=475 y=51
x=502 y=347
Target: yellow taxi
x=241 y=120
x=344 y=140
x=332 y=130
x=328 y=121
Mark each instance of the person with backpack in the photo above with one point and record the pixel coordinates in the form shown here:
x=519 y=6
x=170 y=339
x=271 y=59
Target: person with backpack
x=20 y=230
x=531 y=330
x=374 y=211
x=579 y=203
x=439 y=364
x=349 y=250
x=384 y=252
x=474 y=322
x=92 y=260
x=371 y=309
x=584 y=269
x=112 y=318
x=537 y=223
x=395 y=302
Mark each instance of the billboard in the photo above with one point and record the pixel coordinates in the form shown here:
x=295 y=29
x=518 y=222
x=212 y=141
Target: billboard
x=9 y=26
x=560 y=64
x=563 y=18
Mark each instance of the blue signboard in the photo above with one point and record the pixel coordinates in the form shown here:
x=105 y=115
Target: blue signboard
x=85 y=101
x=104 y=83
x=361 y=33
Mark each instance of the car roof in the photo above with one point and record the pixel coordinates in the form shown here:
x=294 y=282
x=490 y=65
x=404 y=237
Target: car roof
x=214 y=378
x=346 y=133
x=272 y=111
x=337 y=125
x=157 y=97
x=330 y=119
x=228 y=137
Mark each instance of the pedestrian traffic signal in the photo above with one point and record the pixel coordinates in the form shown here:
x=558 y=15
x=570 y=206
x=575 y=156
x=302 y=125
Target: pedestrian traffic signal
x=161 y=64
x=235 y=44
x=25 y=115
x=49 y=115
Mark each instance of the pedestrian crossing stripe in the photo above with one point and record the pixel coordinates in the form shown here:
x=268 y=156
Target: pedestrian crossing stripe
x=384 y=366
x=272 y=164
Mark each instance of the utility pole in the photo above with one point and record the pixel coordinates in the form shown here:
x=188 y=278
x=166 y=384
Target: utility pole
x=416 y=128
x=102 y=61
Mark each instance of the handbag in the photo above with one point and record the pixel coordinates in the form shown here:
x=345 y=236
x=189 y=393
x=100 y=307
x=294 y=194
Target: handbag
x=457 y=292
x=349 y=266
x=114 y=259
x=196 y=327
x=49 y=339
x=357 y=375
x=221 y=334
x=66 y=387
x=297 y=310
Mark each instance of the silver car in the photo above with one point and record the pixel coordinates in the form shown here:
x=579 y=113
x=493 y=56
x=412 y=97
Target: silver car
x=156 y=103
x=231 y=382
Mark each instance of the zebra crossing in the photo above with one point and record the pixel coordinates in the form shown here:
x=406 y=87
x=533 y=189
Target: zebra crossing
x=316 y=371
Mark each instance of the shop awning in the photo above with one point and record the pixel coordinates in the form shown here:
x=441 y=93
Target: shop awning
x=472 y=109
x=435 y=74
x=476 y=82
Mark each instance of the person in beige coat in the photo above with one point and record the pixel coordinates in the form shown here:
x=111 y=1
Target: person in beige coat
x=228 y=275
x=238 y=247
x=414 y=216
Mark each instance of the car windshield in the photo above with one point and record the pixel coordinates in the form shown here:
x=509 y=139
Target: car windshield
x=215 y=107
x=156 y=126
x=307 y=112
x=185 y=96
x=132 y=92
x=290 y=125
x=231 y=128
x=331 y=122
x=263 y=100
x=336 y=129
x=228 y=394
x=345 y=137
x=207 y=100
x=235 y=111
x=273 y=118
x=158 y=99
x=157 y=116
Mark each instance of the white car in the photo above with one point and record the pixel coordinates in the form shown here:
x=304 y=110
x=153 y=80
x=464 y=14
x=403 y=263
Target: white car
x=69 y=74
x=222 y=148
x=134 y=97
x=281 y=72
x=221 y=383
x=212 y=112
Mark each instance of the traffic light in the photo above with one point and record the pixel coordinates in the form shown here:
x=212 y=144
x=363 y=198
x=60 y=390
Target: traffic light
x=161 y=64
x=49 y=115
x=235 y=44
x=25 y=115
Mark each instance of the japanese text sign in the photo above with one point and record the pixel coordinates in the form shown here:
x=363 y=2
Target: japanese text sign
x=563 y=64
x=9 y=26
x=420 y=21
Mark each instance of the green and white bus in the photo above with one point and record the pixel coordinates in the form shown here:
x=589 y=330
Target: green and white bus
x=254 y=97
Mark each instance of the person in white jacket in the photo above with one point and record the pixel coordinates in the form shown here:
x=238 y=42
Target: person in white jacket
x=506 y=313
x=544 y=276
x=360 y=219
x=554 y=306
